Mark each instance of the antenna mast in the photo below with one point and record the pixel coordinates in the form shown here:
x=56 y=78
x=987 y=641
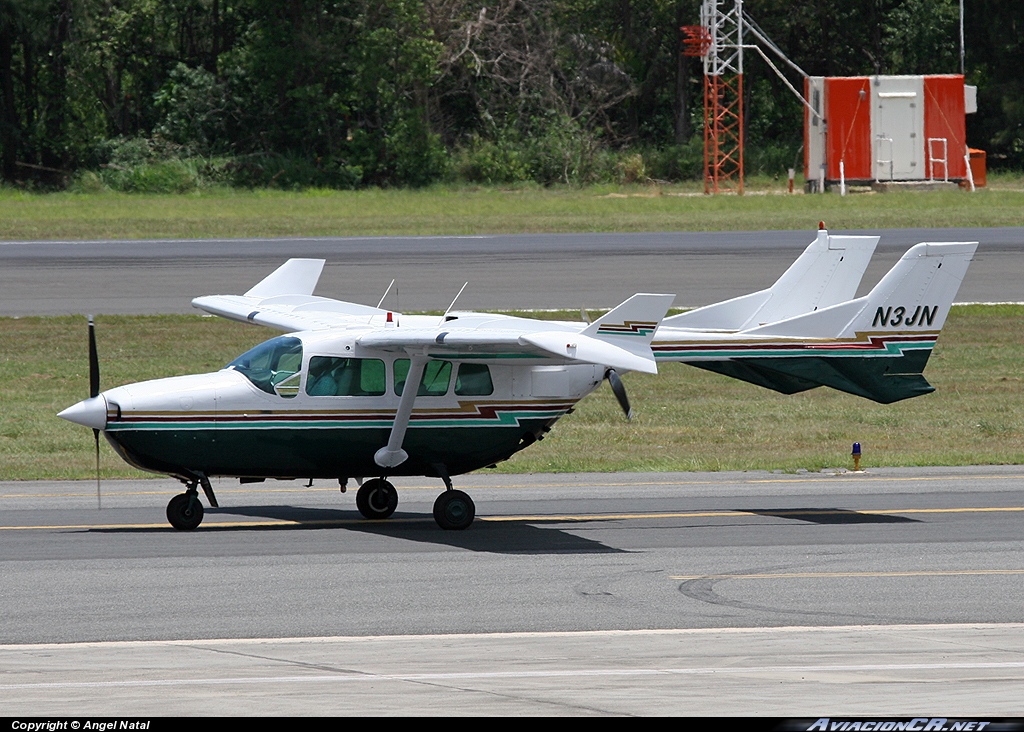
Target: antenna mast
x=719 y=40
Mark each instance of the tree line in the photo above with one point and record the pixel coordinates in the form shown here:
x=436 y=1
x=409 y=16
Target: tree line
x=348 y=93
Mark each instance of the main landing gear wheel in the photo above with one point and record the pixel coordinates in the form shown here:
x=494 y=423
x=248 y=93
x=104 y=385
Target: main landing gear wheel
x=454 y=510
x=377 y=499
x=185 y=512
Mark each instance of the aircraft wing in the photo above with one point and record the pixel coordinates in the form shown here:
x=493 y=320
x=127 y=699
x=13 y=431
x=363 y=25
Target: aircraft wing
x=284 y=300
x=288 y=313
x=621 y=339
x=559 y=344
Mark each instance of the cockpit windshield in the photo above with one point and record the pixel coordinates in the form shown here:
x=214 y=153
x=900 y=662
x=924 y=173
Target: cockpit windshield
x=272 y=366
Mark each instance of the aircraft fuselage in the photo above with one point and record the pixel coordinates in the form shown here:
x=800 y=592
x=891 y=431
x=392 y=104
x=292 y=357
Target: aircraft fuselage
x=271 y=419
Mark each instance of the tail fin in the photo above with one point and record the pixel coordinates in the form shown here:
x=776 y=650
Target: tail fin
x=631 y=327
x=294 y=277
x=914 y=295
x=827 y=272
x=875 y=346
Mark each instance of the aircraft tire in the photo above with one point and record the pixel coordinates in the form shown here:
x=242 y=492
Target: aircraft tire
x=185 y=512
x=454 y=510
x=377 y=499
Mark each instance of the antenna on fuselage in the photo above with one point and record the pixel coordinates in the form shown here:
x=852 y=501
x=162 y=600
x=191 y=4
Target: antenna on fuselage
x=381 y=302
x=453 y=302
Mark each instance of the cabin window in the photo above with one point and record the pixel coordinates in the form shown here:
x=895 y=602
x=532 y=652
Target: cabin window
x=436 y=376
x=333 y=376
x=273 y=366
x=473 y=379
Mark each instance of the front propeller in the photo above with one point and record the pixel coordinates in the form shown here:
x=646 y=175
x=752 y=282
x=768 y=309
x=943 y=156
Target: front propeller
x=94 y=393
x=615 y=382
x=91 y=412
x=94 y=362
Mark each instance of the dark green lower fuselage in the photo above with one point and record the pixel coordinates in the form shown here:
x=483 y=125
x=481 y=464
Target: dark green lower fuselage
x=319 y=453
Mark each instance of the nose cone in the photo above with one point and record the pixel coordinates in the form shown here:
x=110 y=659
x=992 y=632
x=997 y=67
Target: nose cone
x=88 y=413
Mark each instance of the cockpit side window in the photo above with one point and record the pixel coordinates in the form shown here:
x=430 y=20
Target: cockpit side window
x=473 y=379
x=334 y=376
x=436 y=375
x=273 y=366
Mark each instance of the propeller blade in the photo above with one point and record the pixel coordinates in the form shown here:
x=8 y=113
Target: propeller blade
x=96 y=437
x=94 y=391
x=94 y=362
x=620 y=392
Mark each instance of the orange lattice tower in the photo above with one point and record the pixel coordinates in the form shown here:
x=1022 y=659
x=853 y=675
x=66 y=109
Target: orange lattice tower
x=719 y=40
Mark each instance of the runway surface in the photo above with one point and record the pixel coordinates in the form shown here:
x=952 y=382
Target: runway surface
x=896 y=591
x=504 y=272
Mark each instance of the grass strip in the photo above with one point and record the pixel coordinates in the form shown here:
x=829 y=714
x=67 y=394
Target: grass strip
x=476 y=210
x=687 y=420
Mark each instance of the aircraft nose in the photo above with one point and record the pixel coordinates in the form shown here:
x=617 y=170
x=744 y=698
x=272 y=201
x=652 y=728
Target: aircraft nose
x=90 y=412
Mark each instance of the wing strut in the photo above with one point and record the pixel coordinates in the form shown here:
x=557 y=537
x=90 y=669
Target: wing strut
x=392 y=455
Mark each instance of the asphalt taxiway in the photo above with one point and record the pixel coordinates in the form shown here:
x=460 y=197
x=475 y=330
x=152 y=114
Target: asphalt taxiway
x=892 y=592
x=519 y=271
x=743 y=593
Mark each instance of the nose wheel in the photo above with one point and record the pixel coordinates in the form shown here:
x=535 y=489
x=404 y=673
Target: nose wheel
x=184 y=511
x=454 y=510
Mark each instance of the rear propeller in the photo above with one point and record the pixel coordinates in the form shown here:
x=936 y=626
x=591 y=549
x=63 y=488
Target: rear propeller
x=615 y=382
x=94 y=391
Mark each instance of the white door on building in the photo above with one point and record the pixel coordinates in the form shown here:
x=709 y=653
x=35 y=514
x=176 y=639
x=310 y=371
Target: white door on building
x=897 y=127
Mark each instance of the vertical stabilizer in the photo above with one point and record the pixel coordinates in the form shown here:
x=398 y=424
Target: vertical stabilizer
x=294 y=277
x=915 y=295
x=828 y=272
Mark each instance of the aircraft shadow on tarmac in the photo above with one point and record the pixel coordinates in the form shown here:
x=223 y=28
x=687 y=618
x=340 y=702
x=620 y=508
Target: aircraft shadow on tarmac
x=497 y=537
x=833 y=516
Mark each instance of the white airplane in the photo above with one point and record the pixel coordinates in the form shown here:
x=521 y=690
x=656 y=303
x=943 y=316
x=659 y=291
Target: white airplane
x=328 y=400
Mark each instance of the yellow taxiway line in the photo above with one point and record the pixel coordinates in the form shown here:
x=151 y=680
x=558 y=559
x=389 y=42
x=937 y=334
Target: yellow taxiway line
x=541 y=518
x=797 y=479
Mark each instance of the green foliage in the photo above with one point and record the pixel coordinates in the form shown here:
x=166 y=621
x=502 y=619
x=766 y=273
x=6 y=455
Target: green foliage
x=172 y=176
x=772 y=159
x=410 y=92
x=491 y=161
x=194 y=106
x=676 y=162
x=288 y=172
